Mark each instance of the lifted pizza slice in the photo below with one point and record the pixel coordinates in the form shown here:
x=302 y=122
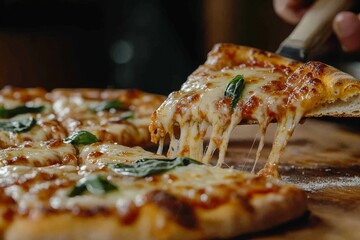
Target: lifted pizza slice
x=241 y=84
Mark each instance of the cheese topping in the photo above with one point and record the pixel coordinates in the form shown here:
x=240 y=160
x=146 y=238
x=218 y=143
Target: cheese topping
x=47 y=188
x=103 y=153
x=197 y=107
x=12 y=97
x=274 y=91
x=126 y=123
x=46 y=128
x=39 y=154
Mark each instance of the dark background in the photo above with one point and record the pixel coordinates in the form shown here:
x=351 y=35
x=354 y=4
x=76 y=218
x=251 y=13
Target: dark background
x=148 y=44
x=152 y=45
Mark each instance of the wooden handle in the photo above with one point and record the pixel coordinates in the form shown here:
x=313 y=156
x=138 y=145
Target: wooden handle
x=316 y=25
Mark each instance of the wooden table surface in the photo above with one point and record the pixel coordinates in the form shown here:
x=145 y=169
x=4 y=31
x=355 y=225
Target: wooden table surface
x=323 y=159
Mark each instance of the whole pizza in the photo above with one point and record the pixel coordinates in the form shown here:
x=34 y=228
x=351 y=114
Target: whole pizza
x=73 y=165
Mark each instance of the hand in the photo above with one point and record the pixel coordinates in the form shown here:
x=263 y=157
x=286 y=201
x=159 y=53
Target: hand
x=346 y=25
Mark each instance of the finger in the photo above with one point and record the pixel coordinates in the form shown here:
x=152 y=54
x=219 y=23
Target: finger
x=347 y=28
x=290 y=10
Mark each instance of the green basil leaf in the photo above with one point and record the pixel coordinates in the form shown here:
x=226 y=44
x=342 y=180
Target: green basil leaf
x=81 y=137
x=12 y=112
x=123 y=117
x=150 y=166
x=17 y=126
x=234 y=89
x=107 y=105
x=93 y=183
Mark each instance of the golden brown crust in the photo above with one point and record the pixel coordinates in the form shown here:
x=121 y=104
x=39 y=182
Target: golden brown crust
x=229 y=55
x=152 y=223
x=326 y=84
x=155 y=221
x=338 y=108
x=267 y=210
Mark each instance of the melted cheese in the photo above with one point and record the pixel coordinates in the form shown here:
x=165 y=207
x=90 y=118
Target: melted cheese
x=190 y=182
x=39 y=154
x=11 y=97
x=103 y=153
x=46 y=128
x=31 y=187
x=75 y=112
x=210 y=109
x=273 y=92
x=74 y=106
x=123 y=133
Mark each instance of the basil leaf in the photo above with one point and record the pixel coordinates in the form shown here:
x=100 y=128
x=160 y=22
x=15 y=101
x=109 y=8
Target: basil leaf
x=81 y=137
x=17 y=126
x=234 y=90
x=12 y=112
x=150 y=166
x=123 y=117
x=93 y=183
x=107 y=105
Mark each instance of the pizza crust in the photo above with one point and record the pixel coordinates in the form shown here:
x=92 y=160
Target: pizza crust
x=229 y=55
x=153 y=222
x=338 y=108
x=236 y=218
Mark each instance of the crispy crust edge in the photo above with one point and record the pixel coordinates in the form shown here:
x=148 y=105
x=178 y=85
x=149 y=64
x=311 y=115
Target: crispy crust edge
x=226 y=54
x=227 y=220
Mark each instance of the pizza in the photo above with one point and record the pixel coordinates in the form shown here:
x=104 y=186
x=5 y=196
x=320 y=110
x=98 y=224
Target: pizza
x=73 y=165
x=69 y=169
x=118 y=192
x=239 y=85
x=27 y=115
x=121 y=116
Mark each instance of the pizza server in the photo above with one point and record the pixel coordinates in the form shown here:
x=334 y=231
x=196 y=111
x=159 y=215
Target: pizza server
x=313 y=30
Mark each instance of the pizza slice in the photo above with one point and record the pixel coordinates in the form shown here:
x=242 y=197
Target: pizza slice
x=15 y=101
x=25 y=127
x=240 y=84
x=148 y=198
x=39 y=154
x=26 y=115
x=120 y=116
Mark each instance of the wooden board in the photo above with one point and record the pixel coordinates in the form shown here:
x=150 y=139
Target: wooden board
x=323 y=159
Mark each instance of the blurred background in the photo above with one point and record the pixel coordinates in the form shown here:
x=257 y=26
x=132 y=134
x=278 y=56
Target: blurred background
x=152 y=45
